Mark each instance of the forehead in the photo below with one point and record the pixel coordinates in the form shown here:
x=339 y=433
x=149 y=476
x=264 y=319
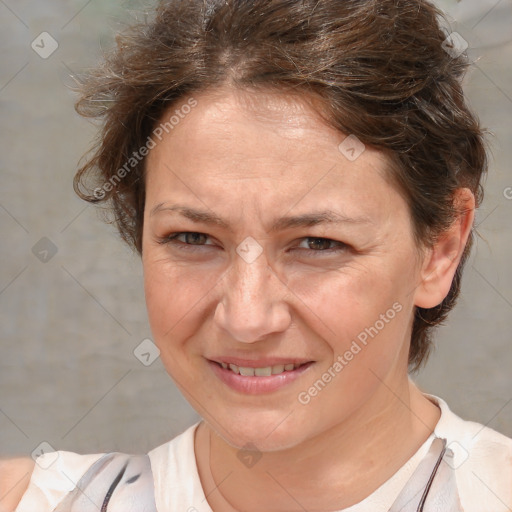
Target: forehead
x=228 y=115
x=267 y=149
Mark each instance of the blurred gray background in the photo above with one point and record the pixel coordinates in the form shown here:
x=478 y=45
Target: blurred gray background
x=71 y=299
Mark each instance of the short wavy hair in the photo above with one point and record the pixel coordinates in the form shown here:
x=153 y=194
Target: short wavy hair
x=380 y=69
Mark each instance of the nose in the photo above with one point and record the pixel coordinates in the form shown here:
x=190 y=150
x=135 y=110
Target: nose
x=252 y=304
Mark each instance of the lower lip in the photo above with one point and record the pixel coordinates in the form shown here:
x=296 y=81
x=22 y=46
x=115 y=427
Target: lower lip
x=257 y=385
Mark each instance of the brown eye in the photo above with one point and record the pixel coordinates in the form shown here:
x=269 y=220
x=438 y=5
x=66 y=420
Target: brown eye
x=189 y=242
x=319 y=244
x=194 y=238
x=186 y=238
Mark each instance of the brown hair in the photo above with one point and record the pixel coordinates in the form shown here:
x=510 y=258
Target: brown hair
x=377 y=67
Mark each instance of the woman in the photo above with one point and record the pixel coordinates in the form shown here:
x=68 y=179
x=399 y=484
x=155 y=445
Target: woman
x=300 y=179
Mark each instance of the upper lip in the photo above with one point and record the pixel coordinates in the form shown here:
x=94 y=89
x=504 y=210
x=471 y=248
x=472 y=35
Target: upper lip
x=259 y=363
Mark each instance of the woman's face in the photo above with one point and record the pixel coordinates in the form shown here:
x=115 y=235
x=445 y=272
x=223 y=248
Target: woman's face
x=295 y=261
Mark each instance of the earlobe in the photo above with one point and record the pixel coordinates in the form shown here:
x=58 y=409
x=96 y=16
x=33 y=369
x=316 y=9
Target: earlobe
x=441 y=261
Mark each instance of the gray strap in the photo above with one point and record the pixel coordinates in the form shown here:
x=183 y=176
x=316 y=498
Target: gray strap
x=115 y=483
x=432 y=487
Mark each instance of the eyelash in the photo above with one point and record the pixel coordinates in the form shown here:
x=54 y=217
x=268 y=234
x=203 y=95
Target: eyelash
x=172 y=240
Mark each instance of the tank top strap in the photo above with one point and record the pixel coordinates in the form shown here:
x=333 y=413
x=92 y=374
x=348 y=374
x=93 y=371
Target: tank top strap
x=432 y=487
x=116 y=482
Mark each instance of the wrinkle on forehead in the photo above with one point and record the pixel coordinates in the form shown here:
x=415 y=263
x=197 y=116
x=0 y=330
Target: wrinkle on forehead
x=289 y=114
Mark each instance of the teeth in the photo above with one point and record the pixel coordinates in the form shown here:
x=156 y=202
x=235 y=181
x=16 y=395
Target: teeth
x=263 y=372
x=278 y=368
x=266 y=371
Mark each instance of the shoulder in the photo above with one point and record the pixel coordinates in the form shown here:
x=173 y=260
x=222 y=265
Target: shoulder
x=69 y=482
x=482 y=461
x=175 y=473
x=178 y=453
x=470 y=439
x=14 y=479
x=53 y=476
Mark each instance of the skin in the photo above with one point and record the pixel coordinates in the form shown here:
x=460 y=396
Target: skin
x=252 y=158
x=14 y=480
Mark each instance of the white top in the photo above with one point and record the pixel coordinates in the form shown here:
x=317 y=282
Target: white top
x=480 y=461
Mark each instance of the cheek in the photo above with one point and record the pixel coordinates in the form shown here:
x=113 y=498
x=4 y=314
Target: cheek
x=361 y=315
x=175 y=295
x=169 y=302
x=363 y=322
x=349 y=298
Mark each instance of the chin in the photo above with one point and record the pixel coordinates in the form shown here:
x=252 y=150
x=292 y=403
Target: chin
x=266 y=431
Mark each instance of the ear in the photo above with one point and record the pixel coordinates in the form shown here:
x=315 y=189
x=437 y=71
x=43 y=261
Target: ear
x=441 y=261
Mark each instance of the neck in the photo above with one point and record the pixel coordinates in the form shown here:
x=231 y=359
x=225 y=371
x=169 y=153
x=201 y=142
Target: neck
x=324 y=472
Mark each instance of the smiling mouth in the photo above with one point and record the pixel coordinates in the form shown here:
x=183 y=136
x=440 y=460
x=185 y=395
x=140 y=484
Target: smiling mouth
x=265 y=371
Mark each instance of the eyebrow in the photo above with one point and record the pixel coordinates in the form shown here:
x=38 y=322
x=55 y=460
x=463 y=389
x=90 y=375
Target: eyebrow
x=288 y=222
